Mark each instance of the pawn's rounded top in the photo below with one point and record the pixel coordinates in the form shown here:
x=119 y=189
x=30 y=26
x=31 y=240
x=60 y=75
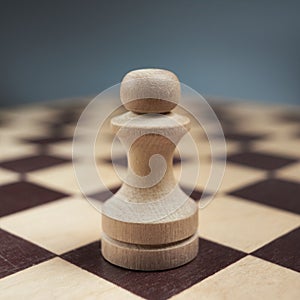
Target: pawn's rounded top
x=150 y=91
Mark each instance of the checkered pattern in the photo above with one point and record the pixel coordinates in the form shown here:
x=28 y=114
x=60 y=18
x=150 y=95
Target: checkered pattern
x=249 y=235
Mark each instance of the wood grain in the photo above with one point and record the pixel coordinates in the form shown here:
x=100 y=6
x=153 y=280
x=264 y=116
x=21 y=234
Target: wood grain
x=150 y=223
x=150 y=91
x=149 y=258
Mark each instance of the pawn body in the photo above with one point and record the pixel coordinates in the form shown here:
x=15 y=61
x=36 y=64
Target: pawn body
x=150 y=223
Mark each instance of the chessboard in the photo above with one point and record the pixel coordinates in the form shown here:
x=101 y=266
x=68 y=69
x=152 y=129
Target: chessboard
x=249 y=234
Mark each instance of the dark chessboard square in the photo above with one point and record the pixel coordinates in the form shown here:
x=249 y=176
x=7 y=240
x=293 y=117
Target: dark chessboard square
x=2 y=121
x=243 y=137
x=260 y=160
x=178 y=160
x=70 y=116
x=48 y=140
x=195 y=193
x=273 y=192
x=32 y=163
x=17 y=254
x=22 y=195
x=102 y=196
x=70 y=105
x=290 y=117
x=66 y=117
x=223 y=114
x=297 y=135
x=283 y=251
x=228 y=124
x=212 y=258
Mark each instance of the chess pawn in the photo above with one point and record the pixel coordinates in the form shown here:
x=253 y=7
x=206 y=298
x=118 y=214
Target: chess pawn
x=150 y=223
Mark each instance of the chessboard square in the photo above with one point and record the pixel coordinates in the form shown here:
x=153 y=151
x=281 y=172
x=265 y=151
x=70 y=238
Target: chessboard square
x=32 y=163
x=102 y=196
x=261 y=160
x=12 y=149
x=242 y=224
x=66 y=117
x=234 y=176
x=291 y=172
x=62 y=225
x=17 y=254
x=290 y=116
x=284 y=145
x=266 y=128
x=20 y=128
x=2 y=121
x=22 y=195
x=32 y=113
x=273 y=192
x=61 y=177
x=58 y=279
x=164 y=284
x=249 y=278
x=283 y=251
x=48 y=140
x=63 y=149
x=7 y=176
x=111 y=175
x=195 y=193
x=243 y=137
x=107 y=148
x=118 y=293
x=201 y=146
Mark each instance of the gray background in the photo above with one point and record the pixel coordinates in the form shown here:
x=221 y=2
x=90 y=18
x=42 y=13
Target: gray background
x=240 y=49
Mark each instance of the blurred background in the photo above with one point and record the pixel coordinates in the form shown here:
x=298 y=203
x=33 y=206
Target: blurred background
x=247 y=50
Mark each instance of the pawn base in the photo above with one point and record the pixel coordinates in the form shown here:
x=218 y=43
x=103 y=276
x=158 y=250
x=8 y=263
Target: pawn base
x=149 y=258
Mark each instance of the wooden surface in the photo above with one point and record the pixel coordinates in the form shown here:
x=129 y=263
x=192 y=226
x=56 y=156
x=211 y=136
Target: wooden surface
x=248 y=236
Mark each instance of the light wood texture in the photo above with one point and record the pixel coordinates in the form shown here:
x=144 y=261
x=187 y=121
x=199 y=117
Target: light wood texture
x=59 y=279
x=175 y=227
x=149 y=258
x=71 y=230
x=150 y=223
x=248 y=278
x=150 y=91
